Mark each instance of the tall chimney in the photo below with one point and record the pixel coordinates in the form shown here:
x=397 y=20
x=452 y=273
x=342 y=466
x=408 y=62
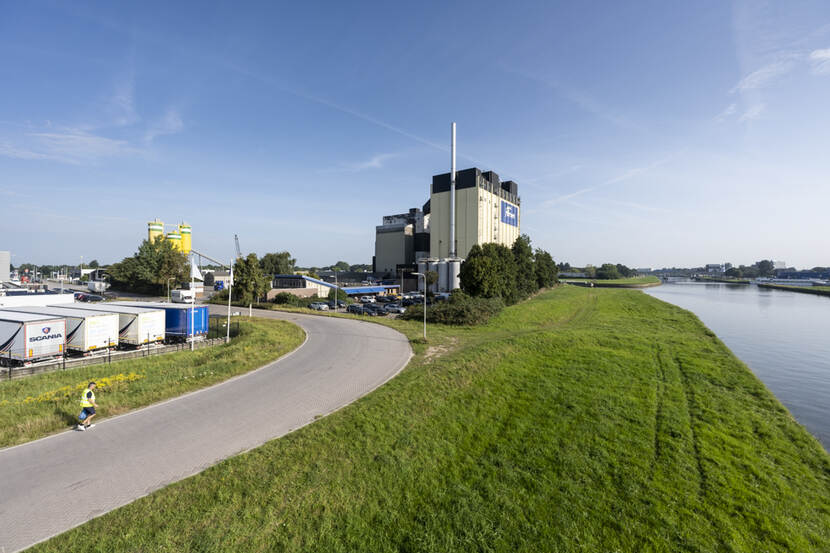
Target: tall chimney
x=452 y=195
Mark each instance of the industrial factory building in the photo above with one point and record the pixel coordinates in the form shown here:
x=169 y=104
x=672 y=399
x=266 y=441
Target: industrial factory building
x=486 y=210
x=465 y=208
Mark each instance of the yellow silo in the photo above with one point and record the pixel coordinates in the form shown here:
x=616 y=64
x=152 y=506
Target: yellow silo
x=176 y=239
x=154 y=228
x=185 y=231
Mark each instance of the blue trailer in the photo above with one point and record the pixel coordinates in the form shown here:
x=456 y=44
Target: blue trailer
x=181 y=320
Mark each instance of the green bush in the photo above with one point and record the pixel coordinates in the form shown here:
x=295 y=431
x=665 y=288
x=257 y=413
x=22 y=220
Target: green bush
x=460 y=309
x=285 y=298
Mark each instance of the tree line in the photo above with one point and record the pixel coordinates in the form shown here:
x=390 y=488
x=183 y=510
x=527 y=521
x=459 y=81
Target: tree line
x=512 y=274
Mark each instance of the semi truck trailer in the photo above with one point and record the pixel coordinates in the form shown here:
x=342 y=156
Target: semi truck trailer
x=27 y=337
x=181 y=321
x=86 y=331
x=136 y=327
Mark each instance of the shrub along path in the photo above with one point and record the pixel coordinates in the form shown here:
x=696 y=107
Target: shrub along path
x=581 y=420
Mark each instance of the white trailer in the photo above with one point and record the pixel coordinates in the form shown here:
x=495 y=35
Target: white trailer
x=135 y=326
x=26 y=337
x=85 y=330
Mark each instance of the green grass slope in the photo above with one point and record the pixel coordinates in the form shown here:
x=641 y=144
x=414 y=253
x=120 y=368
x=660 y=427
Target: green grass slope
x=582 y=420
x=39 y=405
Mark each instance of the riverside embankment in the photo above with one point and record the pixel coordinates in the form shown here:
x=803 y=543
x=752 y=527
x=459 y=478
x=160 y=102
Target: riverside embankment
x=780 y=334
x=582 y=420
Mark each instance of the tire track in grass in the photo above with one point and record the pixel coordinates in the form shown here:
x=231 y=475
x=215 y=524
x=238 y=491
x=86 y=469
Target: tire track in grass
x=691 y=405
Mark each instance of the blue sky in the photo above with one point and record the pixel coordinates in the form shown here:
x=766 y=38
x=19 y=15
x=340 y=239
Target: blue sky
x=646 y=133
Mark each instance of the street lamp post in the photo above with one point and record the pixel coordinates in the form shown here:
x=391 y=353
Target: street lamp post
x=168 y=288
x=336 y=295
x=425 y=301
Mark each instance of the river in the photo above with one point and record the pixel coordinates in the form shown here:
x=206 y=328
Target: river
x=783 y=336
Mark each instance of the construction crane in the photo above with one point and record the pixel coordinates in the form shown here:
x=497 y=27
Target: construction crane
x=238 y=251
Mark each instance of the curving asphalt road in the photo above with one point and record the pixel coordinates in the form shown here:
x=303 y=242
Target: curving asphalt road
x=54 y=484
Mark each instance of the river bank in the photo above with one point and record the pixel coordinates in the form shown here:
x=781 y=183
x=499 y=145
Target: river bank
x=635 y=282
x=583 y=419
x=815 y=290
x=721 y=279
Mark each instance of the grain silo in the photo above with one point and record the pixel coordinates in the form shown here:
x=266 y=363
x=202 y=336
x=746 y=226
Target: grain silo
x=185 y=232
x=154 y=229
x=176 y=239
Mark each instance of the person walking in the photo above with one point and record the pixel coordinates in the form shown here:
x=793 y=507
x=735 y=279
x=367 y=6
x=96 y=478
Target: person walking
x=88 y=406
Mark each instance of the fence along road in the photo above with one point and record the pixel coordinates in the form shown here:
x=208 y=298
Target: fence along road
x=54 y=484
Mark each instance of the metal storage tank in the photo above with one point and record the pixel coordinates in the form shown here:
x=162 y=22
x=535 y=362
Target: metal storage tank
x=433 y=266
x=454 y=272
x=155 y=228
x=422 y=268
x=185 y=231
x=175 y=239
x=443 y=273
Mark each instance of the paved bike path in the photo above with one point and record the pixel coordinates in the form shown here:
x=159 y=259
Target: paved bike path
x=54 y=484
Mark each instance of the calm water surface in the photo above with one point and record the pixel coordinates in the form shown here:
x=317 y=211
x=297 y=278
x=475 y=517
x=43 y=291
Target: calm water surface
x=784 y=337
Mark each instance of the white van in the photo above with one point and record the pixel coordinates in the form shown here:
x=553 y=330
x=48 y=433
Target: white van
x=181 y=296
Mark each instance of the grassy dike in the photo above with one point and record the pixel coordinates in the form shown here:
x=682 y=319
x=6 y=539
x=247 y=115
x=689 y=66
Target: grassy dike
x=43 y=404
x=582 y=420
x=815 y=290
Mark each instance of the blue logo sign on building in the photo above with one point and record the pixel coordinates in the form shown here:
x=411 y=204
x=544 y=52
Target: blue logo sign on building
x=509 y=214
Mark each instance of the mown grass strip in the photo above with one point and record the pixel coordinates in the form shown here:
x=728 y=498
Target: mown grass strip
x=40 y=405
x=582 y=420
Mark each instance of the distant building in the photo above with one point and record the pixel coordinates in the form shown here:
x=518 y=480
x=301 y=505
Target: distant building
x=779 y=265
x=398 y=242
x=714 y=268
x=643 y=270
x=5 y=264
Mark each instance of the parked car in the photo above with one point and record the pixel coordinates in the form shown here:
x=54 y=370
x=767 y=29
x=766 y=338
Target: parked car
x=367 y=299
x=355 y=308
x=339 y=304
x=318 y=306
x=376 y=308
x=385 y=299
x=395 y=308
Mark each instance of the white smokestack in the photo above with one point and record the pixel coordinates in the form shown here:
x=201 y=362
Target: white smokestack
x=452 y=194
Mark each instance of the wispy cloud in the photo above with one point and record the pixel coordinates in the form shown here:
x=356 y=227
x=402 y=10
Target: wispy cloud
x=170 y=123
x=73 y=146
x=768 y=73
x=728 y=112
x=581 y=99
x=627 y=175
x=121 y=105
x=752 y=112
x=375 y=162
x=820 y=60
